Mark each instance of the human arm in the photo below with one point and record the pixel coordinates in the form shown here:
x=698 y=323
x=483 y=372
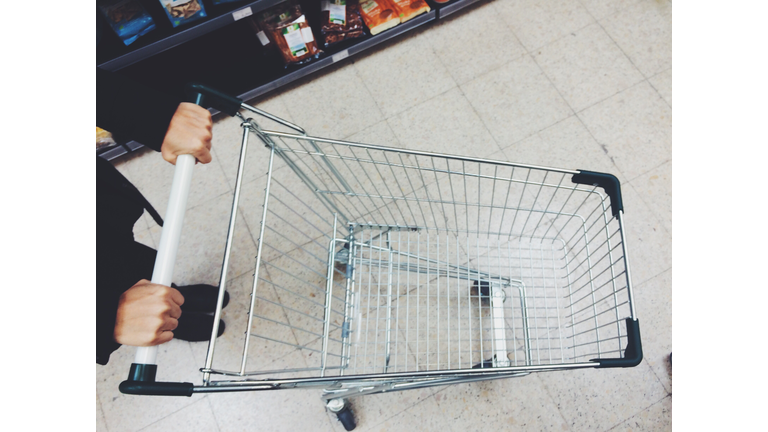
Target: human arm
x=159 y=121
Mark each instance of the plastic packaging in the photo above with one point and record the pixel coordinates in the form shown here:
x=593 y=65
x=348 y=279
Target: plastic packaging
x=379 y=15
x=127 y=18
x=340 y=20
x=287 y=27
x=183 y=11
x=408 y=9
x=103 y=138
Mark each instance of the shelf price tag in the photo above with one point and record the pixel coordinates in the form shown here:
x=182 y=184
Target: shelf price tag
x=341 y=55
x=242 y=13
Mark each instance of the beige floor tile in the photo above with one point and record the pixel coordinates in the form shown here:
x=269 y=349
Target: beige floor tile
x=131 y=413
x=657 y=417
x=379 y=134
x=197 y=416
x=145 y=237
x=635 y=127
x=333 y=105
x=566 y=144
x=598 y=399
x=643 y=31
x=662 y=82
x=655 y=189
x=602 y=8
x=653 y=300
x=467 y=52
x=203 y=240
x=649 y=244
x=506 y=404
x=539 y=23
x=101 y=423
x=390 y=411
x=586 y=66
x=445 y=124
x=403 y=74
x=515 y=101
x=273 y=411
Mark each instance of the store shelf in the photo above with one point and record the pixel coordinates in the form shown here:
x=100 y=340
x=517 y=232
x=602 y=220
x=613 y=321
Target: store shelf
x=334 y=57
x=164 y=38
x=445 y=9
x=229 y=57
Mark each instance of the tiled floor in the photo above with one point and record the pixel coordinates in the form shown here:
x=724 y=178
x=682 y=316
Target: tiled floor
x=582 y=84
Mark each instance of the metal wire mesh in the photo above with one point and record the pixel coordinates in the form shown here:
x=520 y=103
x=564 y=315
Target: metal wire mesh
x=383 y=260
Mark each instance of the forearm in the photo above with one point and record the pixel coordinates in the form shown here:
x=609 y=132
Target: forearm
x=132 y=111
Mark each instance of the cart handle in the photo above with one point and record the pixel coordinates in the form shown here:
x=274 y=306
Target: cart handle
x=141 y=378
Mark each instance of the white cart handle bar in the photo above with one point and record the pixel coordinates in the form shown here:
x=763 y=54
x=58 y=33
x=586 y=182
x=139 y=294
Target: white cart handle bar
x=141 y=379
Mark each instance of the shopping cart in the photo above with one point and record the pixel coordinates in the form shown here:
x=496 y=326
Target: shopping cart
x=382 y=269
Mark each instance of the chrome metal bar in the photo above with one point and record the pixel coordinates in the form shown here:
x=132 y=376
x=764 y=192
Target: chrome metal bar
x=227 y=249
x=258 y=259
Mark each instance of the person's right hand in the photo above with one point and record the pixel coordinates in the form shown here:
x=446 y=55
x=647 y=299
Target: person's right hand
x=190 y=132
x=147 y=314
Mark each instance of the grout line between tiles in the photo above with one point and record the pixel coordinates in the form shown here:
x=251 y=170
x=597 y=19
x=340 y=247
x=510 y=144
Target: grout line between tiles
x=657 y=90
x=653 y=212
x=638 y=413
x=101 y=408
x=668 y=161
x=213 y=413
x=172 y=413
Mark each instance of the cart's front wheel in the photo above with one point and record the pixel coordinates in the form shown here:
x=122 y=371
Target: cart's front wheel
x=347 y=419
x=340 y=407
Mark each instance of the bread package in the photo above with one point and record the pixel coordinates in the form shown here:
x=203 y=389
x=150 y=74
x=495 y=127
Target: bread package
x=287 y=27
x=379 y=15
x=340 y=20
x=407 y=9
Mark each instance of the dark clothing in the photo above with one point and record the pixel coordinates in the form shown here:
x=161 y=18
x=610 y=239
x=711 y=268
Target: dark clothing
x=129 y=111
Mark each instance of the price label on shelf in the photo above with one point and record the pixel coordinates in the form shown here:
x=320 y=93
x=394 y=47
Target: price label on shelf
x=242 y=13
x=341 y=55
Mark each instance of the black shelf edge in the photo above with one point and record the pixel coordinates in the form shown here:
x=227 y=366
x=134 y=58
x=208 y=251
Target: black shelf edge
x=341 y=55
x=183 y=35
x=448 y=9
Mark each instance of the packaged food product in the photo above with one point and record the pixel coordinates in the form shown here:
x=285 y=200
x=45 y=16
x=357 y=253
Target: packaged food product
x=183 y=11
x=127 y=18
x=340 y=20
x=407 y=9
x=379 y=15
x=287 y=27
x=103 y=138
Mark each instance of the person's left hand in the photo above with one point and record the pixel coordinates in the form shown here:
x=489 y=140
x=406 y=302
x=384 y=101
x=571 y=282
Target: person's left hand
x=188 y=133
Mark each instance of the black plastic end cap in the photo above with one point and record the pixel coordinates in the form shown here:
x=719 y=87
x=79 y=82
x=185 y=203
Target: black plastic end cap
x=213 y=98
x=141 y=381
x=610 y=184
x=633 y=354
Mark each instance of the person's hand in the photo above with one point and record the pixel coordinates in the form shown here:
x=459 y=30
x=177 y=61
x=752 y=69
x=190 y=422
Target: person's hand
x=147 y=314
x=188 y=133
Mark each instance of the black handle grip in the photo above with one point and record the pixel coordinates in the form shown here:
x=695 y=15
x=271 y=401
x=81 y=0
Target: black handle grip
x=156 y=388
x=200 y=94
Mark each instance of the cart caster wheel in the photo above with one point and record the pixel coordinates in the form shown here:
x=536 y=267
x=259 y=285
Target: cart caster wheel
x=340 y=407
x=483 y=289
x=347 y=419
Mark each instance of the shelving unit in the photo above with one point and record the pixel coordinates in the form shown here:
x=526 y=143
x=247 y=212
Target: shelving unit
x=223 y=52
